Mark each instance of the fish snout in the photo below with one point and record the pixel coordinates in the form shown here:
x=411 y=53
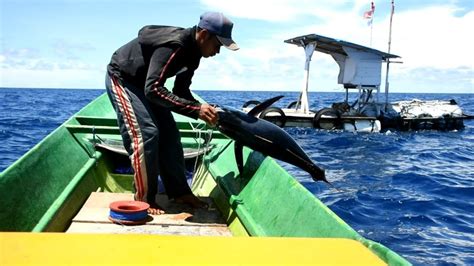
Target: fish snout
x=318 y=174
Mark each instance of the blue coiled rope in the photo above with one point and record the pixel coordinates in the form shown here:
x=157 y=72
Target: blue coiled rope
x=128 y=212
x=133 y=216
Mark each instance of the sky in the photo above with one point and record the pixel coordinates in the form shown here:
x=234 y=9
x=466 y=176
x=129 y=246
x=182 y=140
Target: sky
x=68 y=43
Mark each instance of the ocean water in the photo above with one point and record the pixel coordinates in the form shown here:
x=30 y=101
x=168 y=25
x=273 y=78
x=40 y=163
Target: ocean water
x=411 y=191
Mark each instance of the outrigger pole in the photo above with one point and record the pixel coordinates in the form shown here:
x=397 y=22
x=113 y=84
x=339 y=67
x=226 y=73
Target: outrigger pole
x=388 y=59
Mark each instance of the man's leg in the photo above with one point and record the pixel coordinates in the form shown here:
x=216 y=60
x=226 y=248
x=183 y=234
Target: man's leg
x=140 y=136
x=172 y=169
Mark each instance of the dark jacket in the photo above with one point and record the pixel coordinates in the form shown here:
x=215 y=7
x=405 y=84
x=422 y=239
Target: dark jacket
x=158 y=53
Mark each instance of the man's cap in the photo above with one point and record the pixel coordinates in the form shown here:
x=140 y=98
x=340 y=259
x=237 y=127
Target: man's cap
x=219 y=25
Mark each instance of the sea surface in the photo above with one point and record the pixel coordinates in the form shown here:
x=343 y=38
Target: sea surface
x=411 y=191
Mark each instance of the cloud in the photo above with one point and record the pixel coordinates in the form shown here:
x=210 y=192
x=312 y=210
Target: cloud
x=31 y=59
x=280 y=10
x=433 y=40
x=262 y=68
x=52 y=78
x=69 y=50
x=28 y=68
x=63 y=64
x=435 y=80
x=434 y=37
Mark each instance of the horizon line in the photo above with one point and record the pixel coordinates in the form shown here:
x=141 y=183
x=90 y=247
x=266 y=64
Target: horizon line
x=313 y=91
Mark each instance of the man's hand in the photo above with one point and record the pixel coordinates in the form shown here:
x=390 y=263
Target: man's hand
x=208 y=114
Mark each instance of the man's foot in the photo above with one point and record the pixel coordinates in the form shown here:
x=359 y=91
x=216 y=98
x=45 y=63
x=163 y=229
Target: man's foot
x=155 y=209
x=192 y=200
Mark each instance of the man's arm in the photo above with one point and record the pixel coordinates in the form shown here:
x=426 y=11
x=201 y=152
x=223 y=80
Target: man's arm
x=162 y=64
x=182 y=83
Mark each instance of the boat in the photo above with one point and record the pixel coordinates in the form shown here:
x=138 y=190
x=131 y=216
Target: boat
x=360 y=70
x=56 y=199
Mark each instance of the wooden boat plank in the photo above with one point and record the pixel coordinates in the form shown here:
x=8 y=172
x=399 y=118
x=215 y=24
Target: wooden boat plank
x=155 y=229
x=179 y=219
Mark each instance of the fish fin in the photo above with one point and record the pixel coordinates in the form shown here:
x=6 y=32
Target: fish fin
x=264 y=105
x=238 y=152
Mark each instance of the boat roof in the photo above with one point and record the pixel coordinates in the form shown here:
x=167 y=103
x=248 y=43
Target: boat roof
x=330 y=45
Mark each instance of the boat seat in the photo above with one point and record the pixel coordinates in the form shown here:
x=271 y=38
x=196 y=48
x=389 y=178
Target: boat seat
x=116 y=146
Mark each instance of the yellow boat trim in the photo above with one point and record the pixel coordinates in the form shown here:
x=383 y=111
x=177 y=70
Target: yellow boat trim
x=135 y=249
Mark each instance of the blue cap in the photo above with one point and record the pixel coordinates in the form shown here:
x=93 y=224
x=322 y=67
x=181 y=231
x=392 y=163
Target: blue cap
x=219 y=25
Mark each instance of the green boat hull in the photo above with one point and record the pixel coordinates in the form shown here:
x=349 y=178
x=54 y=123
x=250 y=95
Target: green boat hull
x=45 y=188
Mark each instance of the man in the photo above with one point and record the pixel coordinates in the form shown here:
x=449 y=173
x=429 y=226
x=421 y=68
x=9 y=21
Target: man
x=135 y=82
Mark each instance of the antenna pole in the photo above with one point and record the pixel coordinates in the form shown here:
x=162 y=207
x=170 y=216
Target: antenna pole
x=372 y=8
x=388 y=59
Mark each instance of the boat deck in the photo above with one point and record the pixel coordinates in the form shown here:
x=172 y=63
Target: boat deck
x=179 y=237
x=179 y=219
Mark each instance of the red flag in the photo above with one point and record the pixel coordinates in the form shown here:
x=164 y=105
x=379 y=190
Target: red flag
x=370 y=14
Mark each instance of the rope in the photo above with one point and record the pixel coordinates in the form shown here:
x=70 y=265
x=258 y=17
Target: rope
x=133 y=216
x=198 y=130
x=128 y=212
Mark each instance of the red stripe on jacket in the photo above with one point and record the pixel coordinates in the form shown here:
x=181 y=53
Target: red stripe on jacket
x=163 y=95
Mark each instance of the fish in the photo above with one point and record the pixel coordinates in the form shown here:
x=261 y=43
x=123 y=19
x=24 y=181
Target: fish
x=246 y=129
